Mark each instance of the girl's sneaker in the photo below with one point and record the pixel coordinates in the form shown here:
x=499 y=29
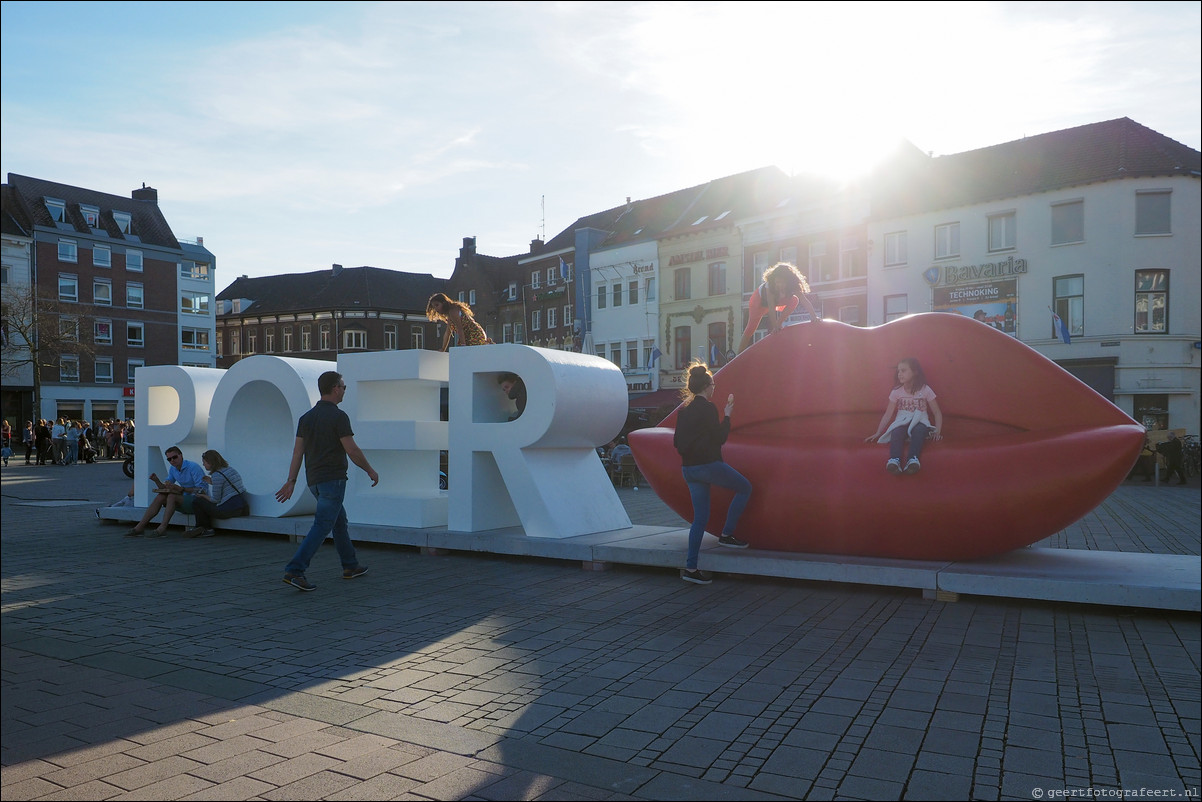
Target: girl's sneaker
x=913 y=466
x=696 y=576
x=894 y=466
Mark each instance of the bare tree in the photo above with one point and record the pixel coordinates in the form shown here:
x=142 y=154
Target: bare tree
x=37 y=332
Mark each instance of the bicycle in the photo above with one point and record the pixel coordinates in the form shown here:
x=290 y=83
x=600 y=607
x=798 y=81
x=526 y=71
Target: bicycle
x=1190 y=456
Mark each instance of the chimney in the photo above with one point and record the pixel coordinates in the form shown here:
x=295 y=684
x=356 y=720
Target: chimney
x=146 y=194
x=469 y=245
x=627 y=200
x=536 y=245
x=337 y=269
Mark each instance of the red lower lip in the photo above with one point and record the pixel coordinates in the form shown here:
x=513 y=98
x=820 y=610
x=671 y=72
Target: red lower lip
x=1028 y=449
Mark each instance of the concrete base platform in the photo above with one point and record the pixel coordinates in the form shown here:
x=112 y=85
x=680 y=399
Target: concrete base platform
x=1123 y=579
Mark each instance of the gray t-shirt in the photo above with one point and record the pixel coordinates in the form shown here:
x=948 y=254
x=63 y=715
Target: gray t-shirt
x=322 y=429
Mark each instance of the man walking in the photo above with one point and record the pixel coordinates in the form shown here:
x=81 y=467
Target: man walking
x=324 y=440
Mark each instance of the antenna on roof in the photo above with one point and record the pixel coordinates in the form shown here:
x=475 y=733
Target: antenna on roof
x=543 y=225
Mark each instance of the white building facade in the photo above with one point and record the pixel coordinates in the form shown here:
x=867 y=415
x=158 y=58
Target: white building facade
x=1118 y=259
x=625 y=311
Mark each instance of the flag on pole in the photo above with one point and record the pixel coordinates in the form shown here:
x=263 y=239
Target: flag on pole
x=563 y=269
x=655 y=355
x=1059 y=329
x=715 y=355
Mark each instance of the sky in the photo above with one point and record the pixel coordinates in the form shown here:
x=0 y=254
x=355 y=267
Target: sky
x=295 y=135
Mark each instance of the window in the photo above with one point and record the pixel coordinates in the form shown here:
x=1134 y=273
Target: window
x=550 y=277
x=102 y=332
x=849 y=315
x=269 y=341
x=194 y=303
x=650 y=288
x=519 y=332
x=634 y=293
x=682 y=344
x=947 y=241
x=1068 y=222
x=324 y=337
x=1002 y=233
x=789 y=255
x=417 y=337
x=133 y=295
x=390 y=340
x=601 y=296
x=68 y=368
x=68 y=251
x=471 y=297
x=615 y=354
x=57 y=209
x=252 y=341
x=235 y=343
x=102 y=256
x=717 y=278
x=647 y=346
x=131 y=368
x=896 y=306
x=102 y=292
x=68 y=328
x=507 y=333
x=1069 y=302
x=354 y=338
x=91 y=215
x=567 y=314
x=68 y=288
x=124 y=222
x=133 y=261
x=1152 y=212
x=534 y=277
x=194 y=339
x=617 y=293
x=217 y=343
x=135 y=335
x=896 y=249
x=288 y=338
x=513 y=290
x=197 y=270
x=851 y=257
x=306 y=339
x=1151 y=301
x=818 y=271
x=536 y=320
x=683 y=278
x=551 y=323
x=104 y=371
x=715 y=347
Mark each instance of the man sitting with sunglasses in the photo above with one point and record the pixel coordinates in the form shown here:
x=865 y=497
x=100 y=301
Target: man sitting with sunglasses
x=184 y=478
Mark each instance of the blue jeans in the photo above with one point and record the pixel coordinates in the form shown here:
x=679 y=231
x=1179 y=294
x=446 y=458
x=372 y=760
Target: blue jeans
x=699 y=478
x=897 y=441
x=329 y=515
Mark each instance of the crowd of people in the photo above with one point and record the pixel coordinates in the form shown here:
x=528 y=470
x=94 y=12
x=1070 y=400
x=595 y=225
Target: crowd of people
x=65 y=441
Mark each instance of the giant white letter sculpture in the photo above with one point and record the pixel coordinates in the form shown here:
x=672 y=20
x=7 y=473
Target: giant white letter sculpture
x=547 y=458
x=394 y=400
x=253 y=425
x=171 y=408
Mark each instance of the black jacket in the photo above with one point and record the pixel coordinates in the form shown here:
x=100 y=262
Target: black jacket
x=699 y=435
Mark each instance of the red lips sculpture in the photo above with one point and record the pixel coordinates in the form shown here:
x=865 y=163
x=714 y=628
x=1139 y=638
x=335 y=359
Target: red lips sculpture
x=1028 y=449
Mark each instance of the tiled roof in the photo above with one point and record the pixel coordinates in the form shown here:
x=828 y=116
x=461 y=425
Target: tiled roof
x=366 y=287
x=1104 y=151
x=149 y=225
x=14 y=219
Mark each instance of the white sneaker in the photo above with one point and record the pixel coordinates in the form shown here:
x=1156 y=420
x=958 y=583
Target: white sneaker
x=894 y=466
x=913 y=466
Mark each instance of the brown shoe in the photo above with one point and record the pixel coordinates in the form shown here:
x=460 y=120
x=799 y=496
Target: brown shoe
x=195 y=531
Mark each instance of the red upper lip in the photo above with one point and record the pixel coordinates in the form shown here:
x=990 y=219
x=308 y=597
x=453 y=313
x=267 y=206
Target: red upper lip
x=1017 y=427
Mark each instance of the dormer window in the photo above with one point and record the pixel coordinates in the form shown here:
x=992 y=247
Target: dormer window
x=513 y=290
x=57 y=209
x=91 y=215
x=124 y=222
x=719 y=217
x=700 y=220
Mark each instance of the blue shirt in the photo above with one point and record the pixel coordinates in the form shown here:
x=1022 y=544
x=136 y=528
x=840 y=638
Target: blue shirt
x=188 y=474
